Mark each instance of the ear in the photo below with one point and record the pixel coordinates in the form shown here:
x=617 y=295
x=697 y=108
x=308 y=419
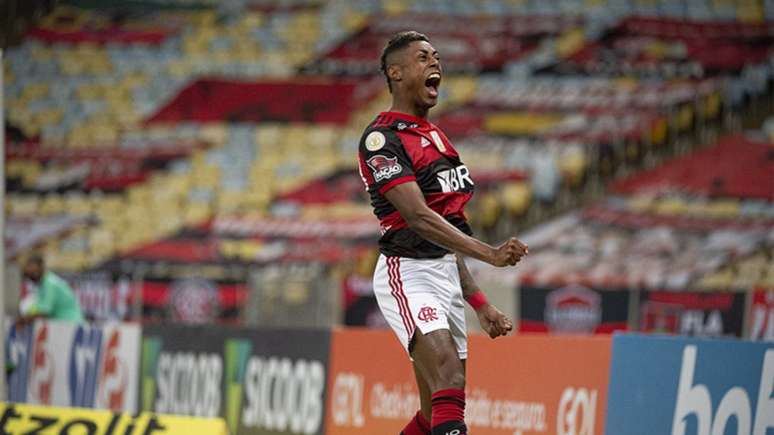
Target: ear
x=395 y=73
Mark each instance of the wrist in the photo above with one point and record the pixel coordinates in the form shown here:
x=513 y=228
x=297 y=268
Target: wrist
x=477 y=300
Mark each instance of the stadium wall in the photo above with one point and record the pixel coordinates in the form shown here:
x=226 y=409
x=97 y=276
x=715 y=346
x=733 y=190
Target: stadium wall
x=355 y=381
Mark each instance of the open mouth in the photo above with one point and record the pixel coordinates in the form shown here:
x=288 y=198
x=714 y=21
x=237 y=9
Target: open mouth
x=432 y=82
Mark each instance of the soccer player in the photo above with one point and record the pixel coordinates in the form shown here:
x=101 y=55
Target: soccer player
x=418 y=187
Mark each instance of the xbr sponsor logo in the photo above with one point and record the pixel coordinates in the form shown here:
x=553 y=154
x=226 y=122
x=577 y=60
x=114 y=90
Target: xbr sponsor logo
x=455 y=179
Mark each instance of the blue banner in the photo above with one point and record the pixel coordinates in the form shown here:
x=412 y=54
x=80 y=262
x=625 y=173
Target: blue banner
x=680 y=386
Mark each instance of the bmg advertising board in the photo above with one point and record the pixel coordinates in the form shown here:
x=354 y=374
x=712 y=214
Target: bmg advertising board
x=679 y=386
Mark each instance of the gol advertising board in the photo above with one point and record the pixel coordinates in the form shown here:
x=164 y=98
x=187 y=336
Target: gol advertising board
x=708 y=314
x=761 y=316
x=573 y=309
x=516 y=385
x=259 y=381
x=33 y=419
x=690 y=386
x=64 y=364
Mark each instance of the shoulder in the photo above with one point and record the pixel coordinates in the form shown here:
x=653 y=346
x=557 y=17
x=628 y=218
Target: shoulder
x=377 y=137
x=55 y=280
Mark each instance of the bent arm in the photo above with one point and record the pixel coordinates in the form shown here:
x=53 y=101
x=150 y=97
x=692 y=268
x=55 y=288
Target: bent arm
x=410 y=203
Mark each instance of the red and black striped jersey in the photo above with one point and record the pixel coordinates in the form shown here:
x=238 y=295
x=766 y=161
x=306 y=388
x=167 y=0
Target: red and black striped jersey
x=398 y=148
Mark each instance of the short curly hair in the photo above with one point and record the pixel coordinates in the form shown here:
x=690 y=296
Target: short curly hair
x=398 y=41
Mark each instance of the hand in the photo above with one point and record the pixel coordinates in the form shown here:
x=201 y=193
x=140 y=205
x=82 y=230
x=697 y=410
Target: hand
x=509 y=253
x=493 y=321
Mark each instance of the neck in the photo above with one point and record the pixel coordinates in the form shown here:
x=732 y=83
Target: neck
x=403 y=105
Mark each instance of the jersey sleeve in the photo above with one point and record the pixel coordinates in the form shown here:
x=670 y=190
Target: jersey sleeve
x=383 y=161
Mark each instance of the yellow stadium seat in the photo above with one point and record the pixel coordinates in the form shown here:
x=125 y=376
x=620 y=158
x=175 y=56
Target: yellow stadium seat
x=573 y=166
x=671 y=206
x=516 y=197
x=22 y=206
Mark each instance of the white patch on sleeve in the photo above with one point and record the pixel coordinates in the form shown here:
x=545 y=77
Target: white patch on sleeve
x=375 y=141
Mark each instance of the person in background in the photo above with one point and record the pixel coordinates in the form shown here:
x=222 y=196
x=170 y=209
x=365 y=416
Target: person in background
x=54 y=299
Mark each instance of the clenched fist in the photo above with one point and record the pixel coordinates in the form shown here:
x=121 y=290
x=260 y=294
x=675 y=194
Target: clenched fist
x=509 y=253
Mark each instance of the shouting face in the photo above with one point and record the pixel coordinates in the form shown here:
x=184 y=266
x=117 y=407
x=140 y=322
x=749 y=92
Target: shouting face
x=415 y=73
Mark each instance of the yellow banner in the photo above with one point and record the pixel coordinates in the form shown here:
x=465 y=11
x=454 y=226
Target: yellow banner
x=19 y=418
x=517 y=123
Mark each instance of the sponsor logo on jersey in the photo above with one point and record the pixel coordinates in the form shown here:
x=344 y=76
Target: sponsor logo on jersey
x=375 y=141
x=455 y=179
x=402 y=126
x=425 y=142
x=427 y=314
x=384 y=167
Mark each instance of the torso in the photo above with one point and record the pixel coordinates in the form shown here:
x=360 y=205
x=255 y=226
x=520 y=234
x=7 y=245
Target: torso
x=397 y=148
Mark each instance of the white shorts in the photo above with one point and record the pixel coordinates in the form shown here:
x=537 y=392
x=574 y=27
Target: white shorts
x=424 y=294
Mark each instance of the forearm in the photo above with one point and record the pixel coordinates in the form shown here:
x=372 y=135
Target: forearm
x=468 y=284
x=431 y=226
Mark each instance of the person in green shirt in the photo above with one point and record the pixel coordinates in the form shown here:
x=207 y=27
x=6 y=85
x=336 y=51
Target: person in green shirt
x=54 y=298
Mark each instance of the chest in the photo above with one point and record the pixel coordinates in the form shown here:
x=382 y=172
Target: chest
x=436 y=162
x=429 y=146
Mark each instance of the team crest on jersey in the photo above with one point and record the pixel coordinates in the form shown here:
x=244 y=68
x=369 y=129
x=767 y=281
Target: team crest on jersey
x=384 y=167
x=375 y=141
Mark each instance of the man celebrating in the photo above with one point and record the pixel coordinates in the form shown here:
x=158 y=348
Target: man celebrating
x=54 y=299
x=419 y=187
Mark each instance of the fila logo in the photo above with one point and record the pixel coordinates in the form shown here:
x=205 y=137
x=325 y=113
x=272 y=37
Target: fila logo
x=455 y=179
x=425 y=142
x=427 y=314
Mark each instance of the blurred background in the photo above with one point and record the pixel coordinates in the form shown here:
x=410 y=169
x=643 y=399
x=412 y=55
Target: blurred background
x=188 y=168
x=194 y=160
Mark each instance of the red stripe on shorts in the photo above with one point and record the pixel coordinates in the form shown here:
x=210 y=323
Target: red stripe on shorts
x=393 y=268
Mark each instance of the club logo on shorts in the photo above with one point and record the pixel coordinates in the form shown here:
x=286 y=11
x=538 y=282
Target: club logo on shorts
x=384 y=167
x=427 y=314
x=375 y=141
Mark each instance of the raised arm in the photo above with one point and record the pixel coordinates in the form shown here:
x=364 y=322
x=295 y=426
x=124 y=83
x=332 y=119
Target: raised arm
x=410 y=203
